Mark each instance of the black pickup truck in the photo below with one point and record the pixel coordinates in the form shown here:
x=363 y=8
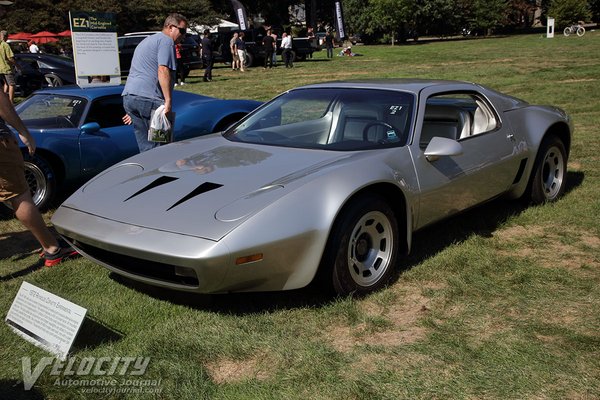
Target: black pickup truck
x=302 y=47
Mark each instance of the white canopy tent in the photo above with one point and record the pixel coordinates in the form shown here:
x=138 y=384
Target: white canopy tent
x=223 y=25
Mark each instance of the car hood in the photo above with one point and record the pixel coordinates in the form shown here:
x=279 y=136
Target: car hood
x=203 y=187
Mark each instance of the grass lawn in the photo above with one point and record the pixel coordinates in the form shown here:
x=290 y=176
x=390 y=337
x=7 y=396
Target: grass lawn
x=501 y=302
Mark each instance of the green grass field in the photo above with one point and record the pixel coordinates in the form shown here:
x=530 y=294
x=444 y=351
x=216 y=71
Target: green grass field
x=501 y=302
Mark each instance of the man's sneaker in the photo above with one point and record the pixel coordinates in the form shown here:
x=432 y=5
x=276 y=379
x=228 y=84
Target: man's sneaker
x=62 y=254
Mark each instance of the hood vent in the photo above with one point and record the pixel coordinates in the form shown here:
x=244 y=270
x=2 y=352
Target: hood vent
x=205 y=187
x=156 y=183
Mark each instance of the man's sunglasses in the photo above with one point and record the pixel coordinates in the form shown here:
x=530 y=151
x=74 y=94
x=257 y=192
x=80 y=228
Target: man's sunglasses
x=181 y=30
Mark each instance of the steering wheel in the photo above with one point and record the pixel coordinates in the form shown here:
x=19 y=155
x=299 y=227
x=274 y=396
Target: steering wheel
x=368 y=126
x=66 y=119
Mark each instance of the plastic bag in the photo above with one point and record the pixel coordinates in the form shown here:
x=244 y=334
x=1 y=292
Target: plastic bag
x=161 y=128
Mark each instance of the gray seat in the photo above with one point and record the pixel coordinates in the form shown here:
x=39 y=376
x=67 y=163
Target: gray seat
x=353 y=120
x=444 y=121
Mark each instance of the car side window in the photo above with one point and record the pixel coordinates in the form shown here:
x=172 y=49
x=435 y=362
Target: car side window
x=456 y=116
x=107 y=112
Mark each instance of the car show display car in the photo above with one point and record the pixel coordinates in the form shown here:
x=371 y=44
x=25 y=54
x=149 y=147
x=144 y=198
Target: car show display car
x=57 y=70
x=327 y=180
x=80 y=132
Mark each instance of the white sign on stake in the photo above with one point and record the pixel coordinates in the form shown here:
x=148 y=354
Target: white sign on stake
x=550 y=28
x=44 y=319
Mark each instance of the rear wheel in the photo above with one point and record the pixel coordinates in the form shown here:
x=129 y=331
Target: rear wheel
x=580 y=31
x=363 y=246
x=53 y=80
x=549 y=174
x=567 y=31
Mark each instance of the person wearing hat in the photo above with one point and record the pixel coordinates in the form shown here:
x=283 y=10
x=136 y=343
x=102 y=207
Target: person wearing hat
x=7 y=61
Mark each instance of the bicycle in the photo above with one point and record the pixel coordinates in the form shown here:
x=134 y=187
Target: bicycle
x=578 y=29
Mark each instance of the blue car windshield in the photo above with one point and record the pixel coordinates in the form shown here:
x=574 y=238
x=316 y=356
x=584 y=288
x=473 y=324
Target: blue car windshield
x=331 y=119
x=51 y=111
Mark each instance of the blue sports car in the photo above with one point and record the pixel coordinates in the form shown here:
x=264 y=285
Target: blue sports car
x=80 y=132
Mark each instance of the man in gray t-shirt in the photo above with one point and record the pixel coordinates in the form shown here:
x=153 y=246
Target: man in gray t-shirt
x=150 y=81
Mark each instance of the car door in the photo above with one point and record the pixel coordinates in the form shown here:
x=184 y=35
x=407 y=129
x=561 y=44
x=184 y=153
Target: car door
x=113 y=142
x=489 y=156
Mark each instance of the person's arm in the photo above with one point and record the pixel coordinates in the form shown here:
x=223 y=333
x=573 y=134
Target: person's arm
x=10 y=116
x=164 y=79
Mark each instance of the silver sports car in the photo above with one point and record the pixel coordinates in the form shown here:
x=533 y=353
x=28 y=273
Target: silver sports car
x=331 y=177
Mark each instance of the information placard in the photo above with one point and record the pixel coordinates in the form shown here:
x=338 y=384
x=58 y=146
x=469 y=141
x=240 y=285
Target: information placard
x=95 y=48
x=44 y=319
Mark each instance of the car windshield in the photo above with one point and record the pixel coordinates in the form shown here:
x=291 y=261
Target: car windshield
x=331 y=119
x=51 y=111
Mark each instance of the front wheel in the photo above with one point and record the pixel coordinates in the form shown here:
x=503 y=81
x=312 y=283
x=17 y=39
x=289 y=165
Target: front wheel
x=580 y=31
x=249 y=60
x=363 y=246
x=567 y=31
x=41 y=180
x=549 y=173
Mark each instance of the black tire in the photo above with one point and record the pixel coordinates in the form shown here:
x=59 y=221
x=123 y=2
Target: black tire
x=53 y=80
x=362 y=251
x=41 y=180
x=249 y=60
x=549 y=174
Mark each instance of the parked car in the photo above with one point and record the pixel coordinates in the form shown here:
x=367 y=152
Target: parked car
x=80 y=132
x=57 y=70
x=332 y=177
x=18 y=45
x=28 y=78
x=128 y=42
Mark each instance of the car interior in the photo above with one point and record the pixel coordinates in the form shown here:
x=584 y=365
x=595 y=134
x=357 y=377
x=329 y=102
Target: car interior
x=456 y=118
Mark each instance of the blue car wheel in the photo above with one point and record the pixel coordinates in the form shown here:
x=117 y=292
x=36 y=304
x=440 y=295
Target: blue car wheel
x=41 y=180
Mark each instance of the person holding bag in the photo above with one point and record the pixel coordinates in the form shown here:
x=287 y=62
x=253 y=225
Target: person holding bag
x=151 y=78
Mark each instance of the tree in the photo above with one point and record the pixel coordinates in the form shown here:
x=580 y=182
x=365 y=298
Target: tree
x=566 y=12
x=489 y=14
x=132 y=15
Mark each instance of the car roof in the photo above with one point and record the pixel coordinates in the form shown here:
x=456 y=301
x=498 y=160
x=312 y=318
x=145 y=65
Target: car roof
x=89 y=92
x=407 y=85
x=47 y=57
x=94 y=92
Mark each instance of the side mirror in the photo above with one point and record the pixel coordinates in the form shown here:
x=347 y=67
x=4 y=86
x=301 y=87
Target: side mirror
x=90 y=128
x=439 y=147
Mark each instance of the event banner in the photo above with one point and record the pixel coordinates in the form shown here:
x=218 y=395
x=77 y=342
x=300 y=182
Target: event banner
x=339 y=21
x=240 y=12
x=95 y=48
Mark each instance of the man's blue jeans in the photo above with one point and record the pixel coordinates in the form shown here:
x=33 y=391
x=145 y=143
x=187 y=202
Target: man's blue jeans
x=140 y=110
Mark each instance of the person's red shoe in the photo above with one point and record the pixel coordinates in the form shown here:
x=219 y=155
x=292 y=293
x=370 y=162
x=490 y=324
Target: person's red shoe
x=62 y=254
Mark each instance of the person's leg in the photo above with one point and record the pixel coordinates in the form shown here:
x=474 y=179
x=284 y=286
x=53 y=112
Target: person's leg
x=140 y=110
x=28 y=214
x=10 y=80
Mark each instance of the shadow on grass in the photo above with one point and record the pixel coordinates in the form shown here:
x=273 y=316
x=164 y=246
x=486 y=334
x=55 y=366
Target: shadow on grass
x=93 y=334
x=14 y=390
x=482 y=220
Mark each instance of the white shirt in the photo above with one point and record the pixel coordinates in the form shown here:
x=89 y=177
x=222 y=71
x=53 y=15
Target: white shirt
x=286 y=42
x=33 y=48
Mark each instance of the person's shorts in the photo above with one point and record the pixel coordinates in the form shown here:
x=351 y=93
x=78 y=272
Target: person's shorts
x=12 y=169
x=235 y=56
x=9 y=79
